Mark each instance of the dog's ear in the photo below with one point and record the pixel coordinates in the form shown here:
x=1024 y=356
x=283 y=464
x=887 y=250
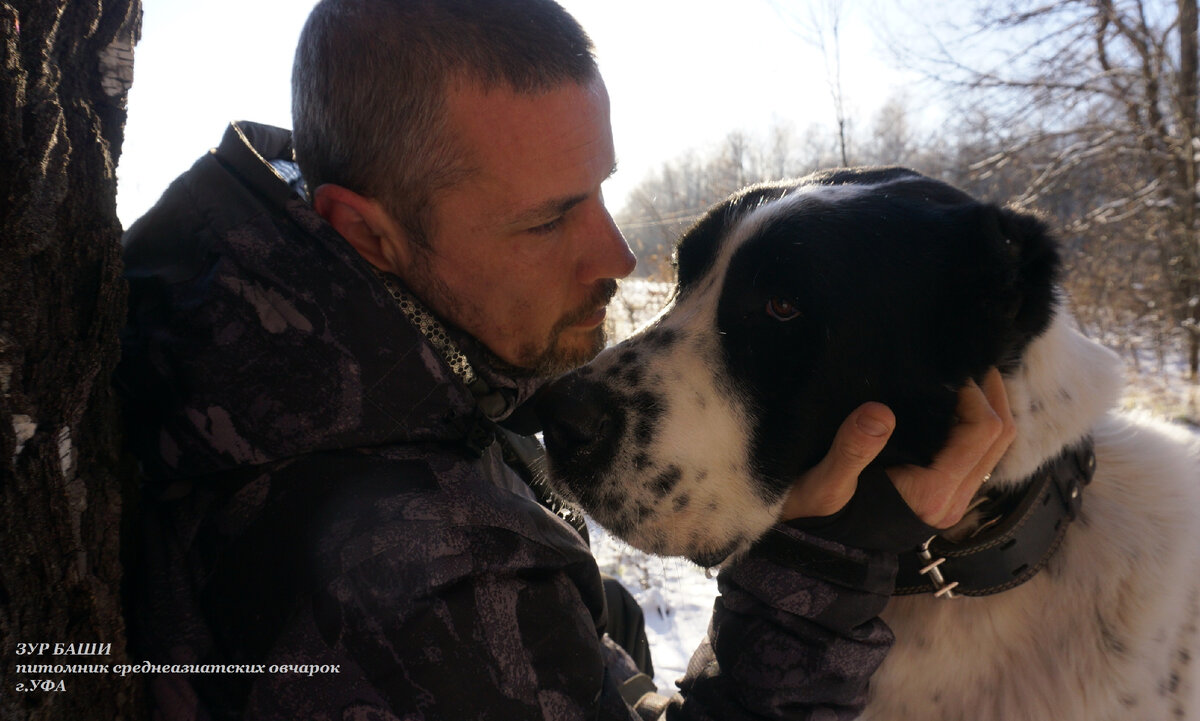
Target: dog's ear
x=993 y=293
x=1031 y=253
x=998 y=293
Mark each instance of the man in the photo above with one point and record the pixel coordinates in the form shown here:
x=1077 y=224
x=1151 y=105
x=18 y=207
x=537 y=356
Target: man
x=326 y=397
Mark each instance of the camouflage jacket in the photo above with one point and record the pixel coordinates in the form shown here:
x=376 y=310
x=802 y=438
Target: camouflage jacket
x=328 y=530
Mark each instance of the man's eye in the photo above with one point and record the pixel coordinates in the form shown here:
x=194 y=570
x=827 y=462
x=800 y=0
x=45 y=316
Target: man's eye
x=545 y=228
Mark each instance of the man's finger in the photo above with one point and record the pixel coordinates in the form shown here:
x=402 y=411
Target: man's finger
x=941 y=493
x=979 y=427
x=993 y=389
x=828 y=486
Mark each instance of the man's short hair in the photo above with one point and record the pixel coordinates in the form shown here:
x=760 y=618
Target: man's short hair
x=370 y=80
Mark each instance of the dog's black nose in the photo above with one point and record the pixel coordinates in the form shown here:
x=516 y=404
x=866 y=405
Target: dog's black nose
x=579 y=418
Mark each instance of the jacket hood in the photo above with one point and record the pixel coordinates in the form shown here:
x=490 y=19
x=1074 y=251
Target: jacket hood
x=257 y=333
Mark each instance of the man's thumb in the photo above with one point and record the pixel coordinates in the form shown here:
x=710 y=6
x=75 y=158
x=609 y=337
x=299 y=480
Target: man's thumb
x=861 y=437
x=826 y=487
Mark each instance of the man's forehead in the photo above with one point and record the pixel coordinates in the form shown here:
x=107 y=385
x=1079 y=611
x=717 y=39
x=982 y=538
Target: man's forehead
x=528 y=155
x=502 y=122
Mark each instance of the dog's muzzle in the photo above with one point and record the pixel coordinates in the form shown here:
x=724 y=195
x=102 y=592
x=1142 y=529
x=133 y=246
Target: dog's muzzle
x=582 y=422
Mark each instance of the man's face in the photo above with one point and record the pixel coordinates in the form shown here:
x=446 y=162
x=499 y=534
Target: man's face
x=523 y=254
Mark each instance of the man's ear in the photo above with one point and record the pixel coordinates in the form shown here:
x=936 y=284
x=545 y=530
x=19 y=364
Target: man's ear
x=366 y=225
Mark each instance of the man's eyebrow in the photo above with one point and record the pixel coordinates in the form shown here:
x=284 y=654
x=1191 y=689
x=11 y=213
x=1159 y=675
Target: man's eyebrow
x=548 y=210
x=552 y=208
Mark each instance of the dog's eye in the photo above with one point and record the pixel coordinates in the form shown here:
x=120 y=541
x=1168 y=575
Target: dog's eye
x=782 y=309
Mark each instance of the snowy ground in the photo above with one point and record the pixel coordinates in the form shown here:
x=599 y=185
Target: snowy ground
x=677 y=596
x=1165 y=392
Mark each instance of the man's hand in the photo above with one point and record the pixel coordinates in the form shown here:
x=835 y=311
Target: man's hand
x=939 y=494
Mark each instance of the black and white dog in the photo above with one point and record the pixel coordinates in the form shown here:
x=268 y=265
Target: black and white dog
x=798 y=301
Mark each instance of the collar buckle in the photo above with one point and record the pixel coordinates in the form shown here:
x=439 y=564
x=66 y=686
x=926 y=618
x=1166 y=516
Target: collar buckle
x=941 y=587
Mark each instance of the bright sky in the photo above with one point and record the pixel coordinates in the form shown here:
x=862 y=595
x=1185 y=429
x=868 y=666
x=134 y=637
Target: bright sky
x=682 y=74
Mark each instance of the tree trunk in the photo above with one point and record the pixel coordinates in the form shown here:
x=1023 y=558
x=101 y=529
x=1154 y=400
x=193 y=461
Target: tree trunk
x=1189 y=125
x=1194 y=357
x=66 y=69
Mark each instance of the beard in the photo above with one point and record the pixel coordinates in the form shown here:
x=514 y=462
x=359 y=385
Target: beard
x=564 y=348
x=561 y=353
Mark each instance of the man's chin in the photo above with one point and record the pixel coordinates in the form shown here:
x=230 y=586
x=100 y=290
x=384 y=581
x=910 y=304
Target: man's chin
x=570 y=349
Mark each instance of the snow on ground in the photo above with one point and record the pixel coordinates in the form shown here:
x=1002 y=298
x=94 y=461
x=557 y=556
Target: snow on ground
x=677 y=596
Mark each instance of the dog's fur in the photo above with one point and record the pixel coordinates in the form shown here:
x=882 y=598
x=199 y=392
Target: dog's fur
x=798 y=301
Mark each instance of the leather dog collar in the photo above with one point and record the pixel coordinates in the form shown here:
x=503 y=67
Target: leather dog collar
x=1014 y=547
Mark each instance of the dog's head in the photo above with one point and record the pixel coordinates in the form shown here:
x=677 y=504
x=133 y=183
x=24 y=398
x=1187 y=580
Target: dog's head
x=796 y=302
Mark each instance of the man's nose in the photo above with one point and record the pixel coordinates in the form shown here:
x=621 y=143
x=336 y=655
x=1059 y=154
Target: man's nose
x=607 y=254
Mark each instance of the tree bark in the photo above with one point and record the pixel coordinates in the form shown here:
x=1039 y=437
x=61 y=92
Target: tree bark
x=66 y=69
x=1189 y=121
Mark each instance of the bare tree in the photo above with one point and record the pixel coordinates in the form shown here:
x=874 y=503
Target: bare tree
x=1098 y=102
x=667 y=201
x=67 y=67
x=820 y=27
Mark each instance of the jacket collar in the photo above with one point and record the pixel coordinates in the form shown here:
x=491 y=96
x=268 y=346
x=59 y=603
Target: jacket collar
x=498 y=393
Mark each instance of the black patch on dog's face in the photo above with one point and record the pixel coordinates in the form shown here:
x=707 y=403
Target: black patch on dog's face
x=905 y=290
